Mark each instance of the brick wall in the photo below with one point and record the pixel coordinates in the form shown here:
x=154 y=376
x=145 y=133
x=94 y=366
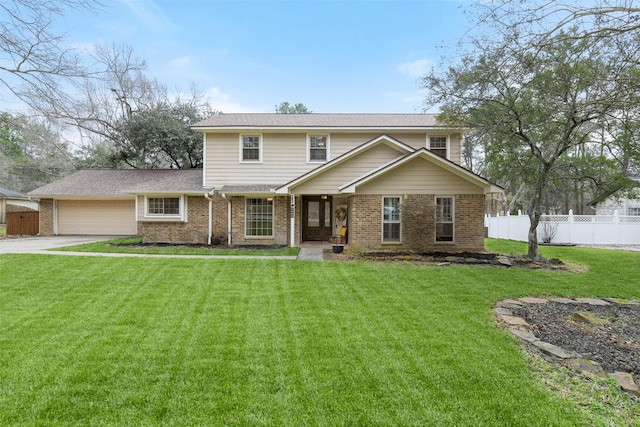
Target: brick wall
x=46 y=217
x=469 y=222
x=418 y=223
x=193 y=231
x=365 y=220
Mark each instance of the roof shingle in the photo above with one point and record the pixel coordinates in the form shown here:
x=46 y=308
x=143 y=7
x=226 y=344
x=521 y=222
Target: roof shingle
x=317 y=120
x=123 y=182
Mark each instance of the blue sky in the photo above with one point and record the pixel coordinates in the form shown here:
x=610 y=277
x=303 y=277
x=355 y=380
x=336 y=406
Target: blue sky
x=248 y=56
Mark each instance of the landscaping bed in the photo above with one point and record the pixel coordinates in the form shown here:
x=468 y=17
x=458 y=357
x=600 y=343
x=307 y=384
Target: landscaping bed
x=610 y=335
x=449 y=258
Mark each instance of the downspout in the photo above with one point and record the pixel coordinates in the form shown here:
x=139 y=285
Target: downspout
x=55 y=216
x=208 y=197
x=293 y=221
x=224 y=196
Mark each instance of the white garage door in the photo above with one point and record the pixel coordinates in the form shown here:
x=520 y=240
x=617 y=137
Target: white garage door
x=97 y=217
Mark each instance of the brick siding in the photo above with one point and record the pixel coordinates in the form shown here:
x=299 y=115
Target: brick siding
x=46 y=217
x=418 y=223
x=192 y=231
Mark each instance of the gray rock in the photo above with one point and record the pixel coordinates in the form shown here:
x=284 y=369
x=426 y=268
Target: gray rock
x=514 y=321
x=587 y=367
x=592 y=301
x=555 y=350
x=504 y=261
x=502 y=310
x=625 y=380
x=525 y=335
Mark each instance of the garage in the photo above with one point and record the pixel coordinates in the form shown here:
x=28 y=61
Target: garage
x=97 y=217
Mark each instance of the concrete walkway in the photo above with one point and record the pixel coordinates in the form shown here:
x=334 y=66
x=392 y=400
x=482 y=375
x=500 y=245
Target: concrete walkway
x=42 y=246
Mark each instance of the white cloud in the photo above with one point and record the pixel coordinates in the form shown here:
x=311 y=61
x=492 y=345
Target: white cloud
x=149 y=14
x=416 y=68
x=183 y=61
x=222 y=102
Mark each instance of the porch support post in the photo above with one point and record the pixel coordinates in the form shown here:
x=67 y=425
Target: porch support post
x=229 y=228
x=208 y=197
x=292 y=213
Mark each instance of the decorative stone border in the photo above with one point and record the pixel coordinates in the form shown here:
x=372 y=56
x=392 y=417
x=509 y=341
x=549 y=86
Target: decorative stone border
x=520 y=328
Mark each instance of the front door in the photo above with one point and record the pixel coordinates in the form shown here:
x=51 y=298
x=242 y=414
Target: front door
x=316 y=218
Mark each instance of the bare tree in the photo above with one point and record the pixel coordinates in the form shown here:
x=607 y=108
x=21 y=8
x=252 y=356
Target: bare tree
x=34 y=60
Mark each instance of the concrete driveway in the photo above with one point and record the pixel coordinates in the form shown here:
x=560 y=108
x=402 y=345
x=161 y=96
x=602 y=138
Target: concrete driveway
x=38 y=244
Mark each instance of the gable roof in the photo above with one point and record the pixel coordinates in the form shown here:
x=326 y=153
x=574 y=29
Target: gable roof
x=382 y=139
x=445 y=164
x=123 y=183
x=317 y=121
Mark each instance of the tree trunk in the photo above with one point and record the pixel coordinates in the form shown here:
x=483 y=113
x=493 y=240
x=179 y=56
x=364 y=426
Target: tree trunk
x=532 y=252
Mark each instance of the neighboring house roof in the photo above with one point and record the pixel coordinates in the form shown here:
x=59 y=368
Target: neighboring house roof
x=8 y=194
x=448 y=165
x=382 y=139
x=317 y=121
x=123 y=183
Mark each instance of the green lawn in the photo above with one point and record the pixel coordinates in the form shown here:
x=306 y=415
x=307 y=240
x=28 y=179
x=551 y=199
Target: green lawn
x=131 y=341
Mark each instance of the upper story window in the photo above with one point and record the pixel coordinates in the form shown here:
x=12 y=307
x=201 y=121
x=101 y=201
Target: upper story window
x=438 y=145
x=251 y=148
x=317 y=148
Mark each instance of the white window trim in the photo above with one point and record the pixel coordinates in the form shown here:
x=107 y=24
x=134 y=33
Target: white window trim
x=448 y=145
x=182 y=207
x=273 y=220
x=453 y=216
x=328 y=136
x=382 y=222
x=260 y=143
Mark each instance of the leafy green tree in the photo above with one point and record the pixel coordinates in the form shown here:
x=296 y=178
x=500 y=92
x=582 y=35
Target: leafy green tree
x=286 y=108
x=161 y=137
x=32 y=153
x=539 y=107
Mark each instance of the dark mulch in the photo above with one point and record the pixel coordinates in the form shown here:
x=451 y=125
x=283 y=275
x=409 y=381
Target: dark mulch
x=448 y=258
x=614 y=344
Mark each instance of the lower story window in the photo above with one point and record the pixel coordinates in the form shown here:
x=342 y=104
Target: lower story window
x=391 y=219
x=444 y=219
x=634 y=211
x=163 y=206
x=259 y=217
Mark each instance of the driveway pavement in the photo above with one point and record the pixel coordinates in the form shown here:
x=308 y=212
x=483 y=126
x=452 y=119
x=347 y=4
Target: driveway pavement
x=36 y=244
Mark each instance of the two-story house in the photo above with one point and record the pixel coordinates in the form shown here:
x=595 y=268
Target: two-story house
x=379 y=180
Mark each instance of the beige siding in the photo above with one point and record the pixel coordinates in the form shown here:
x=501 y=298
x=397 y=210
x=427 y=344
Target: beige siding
x=419 y=176
x=285 y=154
x=454 y=148
x=97 y=217
x=329 y=181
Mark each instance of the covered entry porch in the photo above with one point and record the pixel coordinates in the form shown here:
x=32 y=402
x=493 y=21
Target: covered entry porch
x=322 y=218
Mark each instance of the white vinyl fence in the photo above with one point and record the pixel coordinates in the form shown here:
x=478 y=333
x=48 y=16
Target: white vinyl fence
x=568 y=229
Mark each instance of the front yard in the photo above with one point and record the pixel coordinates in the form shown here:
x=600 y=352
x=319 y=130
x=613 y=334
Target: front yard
x=147 y=341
